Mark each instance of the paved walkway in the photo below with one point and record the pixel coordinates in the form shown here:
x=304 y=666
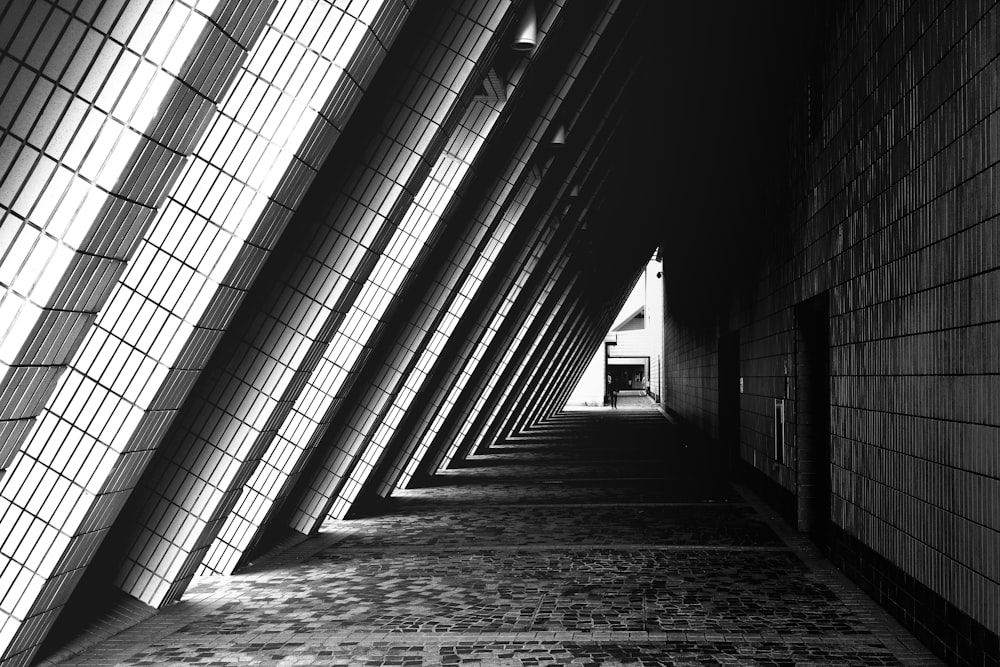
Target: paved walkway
x=597 y=540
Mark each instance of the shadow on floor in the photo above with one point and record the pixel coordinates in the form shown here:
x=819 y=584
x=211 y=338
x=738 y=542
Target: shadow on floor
x=598 y=538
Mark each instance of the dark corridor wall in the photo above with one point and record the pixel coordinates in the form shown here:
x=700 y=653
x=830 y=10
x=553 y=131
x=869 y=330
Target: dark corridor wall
x=891 y=209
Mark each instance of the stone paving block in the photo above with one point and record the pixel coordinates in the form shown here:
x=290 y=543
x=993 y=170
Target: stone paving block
x=601 y=524
x=555 y=566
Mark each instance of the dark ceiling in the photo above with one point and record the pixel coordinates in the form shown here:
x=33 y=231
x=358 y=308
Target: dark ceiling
x=726 y=81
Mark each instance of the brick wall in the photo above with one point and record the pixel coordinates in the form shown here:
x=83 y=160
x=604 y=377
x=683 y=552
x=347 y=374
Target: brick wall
x=690 y=369
x=891 y=207
x=654 y=327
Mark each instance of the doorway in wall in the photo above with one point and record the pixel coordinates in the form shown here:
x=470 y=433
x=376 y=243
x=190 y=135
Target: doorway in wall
x=729 y=400
x=812 y=430
x=629 y=374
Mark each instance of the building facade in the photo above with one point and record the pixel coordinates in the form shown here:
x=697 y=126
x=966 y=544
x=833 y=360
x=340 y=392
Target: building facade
x=262 y=263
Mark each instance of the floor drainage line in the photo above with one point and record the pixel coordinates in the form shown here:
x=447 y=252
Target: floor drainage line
x=557 y=547
x=120 y=645
x=815 y=563
x=301 y=551
x=538 y=608
x=527 y=479
x=367 y=637
x=432 y=507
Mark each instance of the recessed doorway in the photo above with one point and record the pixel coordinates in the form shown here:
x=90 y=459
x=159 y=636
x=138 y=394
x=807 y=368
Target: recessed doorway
x=812 y=386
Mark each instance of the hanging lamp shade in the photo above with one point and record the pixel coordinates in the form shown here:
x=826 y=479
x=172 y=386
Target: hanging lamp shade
x=526 y=35
x=559 y=136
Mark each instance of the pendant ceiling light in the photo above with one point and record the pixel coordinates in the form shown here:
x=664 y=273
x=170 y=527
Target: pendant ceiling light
x=525 y=38
x=559 y=136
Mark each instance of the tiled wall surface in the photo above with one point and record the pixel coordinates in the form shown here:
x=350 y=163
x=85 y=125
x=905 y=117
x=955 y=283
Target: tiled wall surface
x=365 y=448
x=250 y=164
x=465 y=362
x=654 y=327
x=505 y=218
x=350 y=347
x=690 y=371
x=547 y=357
x=343 y=458
x=101 y=105
x=217 y=443
x=478 y=421
x=897 y=215
x=198 y=262
x=558 y=295
x=503 y=310
x=119 y=96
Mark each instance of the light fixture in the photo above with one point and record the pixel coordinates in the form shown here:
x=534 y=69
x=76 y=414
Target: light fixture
x=559 y=136
x=574 y=191
x=525 y=39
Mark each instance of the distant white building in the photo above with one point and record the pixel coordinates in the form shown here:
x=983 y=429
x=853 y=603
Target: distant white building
x=631 y=352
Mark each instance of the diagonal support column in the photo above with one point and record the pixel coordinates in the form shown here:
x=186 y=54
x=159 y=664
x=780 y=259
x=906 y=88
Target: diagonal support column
x=542 y=378
x=320 y=490
x=99 y=130
x=481 y=370
x=531 y=348
x=550 y=363
x=382 y=412
x=546 y=283
x=351 y=347
x=449 y=388
x=277 y=342
x=521 y=391
x=137 y=111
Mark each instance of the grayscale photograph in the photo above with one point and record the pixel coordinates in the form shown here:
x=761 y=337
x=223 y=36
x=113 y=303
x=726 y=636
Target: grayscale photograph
x=480 y=333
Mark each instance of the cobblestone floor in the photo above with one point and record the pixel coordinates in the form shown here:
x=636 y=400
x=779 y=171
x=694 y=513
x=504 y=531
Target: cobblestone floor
x=599 y=540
